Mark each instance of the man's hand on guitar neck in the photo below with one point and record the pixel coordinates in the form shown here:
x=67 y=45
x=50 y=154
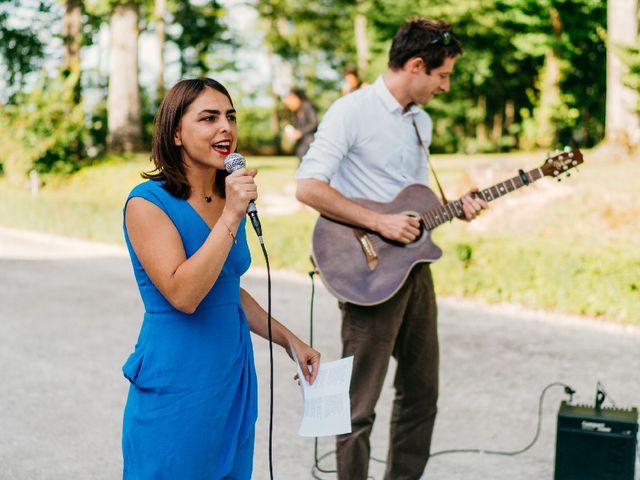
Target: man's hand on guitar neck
x=472 y=205
x=397 y=227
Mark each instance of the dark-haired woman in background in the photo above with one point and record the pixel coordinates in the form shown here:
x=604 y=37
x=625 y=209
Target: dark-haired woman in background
x=192 y=402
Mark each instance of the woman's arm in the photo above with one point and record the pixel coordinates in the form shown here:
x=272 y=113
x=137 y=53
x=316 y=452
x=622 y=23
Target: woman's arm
x=296 y=348
x=157 y=244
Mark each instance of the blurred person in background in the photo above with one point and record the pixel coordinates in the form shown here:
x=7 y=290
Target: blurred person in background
x=304 y=121
x=351 y=81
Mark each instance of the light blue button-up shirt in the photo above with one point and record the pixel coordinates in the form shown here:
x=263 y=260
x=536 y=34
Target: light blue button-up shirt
x=367 y=147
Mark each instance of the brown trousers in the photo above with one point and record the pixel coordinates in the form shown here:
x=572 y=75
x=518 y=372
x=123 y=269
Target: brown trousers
x=404 y=326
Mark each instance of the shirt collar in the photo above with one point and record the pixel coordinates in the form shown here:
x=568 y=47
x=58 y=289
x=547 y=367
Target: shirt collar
x=389 y=101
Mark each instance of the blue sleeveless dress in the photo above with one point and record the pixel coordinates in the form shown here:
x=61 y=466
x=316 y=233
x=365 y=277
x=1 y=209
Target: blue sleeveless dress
x=192 y=402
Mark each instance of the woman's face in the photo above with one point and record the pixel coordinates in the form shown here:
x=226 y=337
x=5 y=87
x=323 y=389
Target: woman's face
x=293 y=102
x=208 y=131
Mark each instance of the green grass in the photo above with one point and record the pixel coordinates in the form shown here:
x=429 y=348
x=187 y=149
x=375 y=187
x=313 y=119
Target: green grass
x=571 y=247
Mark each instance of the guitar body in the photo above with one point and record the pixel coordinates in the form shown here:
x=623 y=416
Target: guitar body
x=353 y=275
x=363 y=268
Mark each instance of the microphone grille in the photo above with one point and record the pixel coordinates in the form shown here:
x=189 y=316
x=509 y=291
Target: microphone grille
x=233 y=162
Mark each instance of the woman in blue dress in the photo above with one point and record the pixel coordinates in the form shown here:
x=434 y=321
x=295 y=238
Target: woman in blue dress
x=192 y=402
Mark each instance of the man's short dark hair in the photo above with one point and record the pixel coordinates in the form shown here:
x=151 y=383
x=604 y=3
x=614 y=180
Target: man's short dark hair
x=431 y=40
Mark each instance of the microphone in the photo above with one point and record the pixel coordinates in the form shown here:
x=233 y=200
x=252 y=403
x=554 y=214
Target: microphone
x=233 y=162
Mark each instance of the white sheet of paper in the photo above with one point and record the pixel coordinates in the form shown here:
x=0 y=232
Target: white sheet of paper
x=326 y=408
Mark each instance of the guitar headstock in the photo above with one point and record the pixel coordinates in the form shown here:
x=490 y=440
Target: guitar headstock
x=561 y=162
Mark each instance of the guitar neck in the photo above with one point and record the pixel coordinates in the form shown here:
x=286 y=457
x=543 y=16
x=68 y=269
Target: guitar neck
x=446 y=213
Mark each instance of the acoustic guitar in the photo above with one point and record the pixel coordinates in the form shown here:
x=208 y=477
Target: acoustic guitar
x=364 y=268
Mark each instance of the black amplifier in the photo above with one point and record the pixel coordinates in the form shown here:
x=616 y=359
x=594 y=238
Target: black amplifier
x=595 y=443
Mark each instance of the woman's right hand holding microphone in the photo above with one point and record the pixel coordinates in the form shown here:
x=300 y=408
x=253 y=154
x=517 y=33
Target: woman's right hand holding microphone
x=240 y=189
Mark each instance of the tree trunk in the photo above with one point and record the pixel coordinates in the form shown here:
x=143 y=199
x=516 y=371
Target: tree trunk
x=160 y=13
x=481 y=126
x=622 y=126
x=123 y=103
x=362 y=41
x=496 y=131
x=71 y=36
x=549 y=89
x=509 y=113
x=274 y=120
x=72 y=41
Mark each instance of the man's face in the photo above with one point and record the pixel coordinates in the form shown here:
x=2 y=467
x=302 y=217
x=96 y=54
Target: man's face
x=425 y=85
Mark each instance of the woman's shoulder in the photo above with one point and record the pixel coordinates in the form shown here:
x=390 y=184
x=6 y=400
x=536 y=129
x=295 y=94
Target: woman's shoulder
x=154 y=192
x=150 y=188
x=147 y=186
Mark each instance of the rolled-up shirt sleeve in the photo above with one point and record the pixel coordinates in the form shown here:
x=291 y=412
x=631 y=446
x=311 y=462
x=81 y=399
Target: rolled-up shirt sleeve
x=331 y=144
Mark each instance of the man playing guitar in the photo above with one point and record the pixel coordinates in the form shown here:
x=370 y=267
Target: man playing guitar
x=367 y=146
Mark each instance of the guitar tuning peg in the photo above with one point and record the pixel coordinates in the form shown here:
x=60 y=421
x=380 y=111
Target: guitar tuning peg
x=557 y=151
x=548 y=155
x=567 y=149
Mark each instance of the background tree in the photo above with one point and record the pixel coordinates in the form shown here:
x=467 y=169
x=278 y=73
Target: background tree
x=72 y=42
x=622 y=125
x=361 y=35
x=197 y=29
x=123 y=104
x=71 y=35
x=159 y=22
x=531 y=75
x=24 y=30
x=315 y=40
x=526 y=70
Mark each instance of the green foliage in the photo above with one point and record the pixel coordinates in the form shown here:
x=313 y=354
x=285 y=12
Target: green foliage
x=505 y=43
x=631 y=57
x=494 y=103
x=547 y=275
x=582 y=113
x=533 y=256
x=253 y=130
x=196 y=29
x=310 y=35
x=22 y=41
x=464 y=252
x=44 y=130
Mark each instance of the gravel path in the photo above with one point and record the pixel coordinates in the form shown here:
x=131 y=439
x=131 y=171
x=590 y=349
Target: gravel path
x=70 y=314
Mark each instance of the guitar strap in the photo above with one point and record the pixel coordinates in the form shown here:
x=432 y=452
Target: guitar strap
x=426 y=157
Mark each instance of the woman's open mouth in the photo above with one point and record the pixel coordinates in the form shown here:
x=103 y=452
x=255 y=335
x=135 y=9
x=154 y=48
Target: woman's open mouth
x=223 y=148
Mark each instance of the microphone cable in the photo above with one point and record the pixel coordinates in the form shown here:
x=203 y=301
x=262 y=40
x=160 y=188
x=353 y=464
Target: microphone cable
x=316 y=468
x=567 y=389
x=232 y=163
x=266 y=259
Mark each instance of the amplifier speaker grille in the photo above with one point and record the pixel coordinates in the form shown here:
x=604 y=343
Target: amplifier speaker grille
x=595 y=444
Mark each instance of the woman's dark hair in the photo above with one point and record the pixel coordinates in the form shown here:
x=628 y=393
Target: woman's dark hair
x=300 y=93
x=166 y=155
x=431 y=40
x=351 y=70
